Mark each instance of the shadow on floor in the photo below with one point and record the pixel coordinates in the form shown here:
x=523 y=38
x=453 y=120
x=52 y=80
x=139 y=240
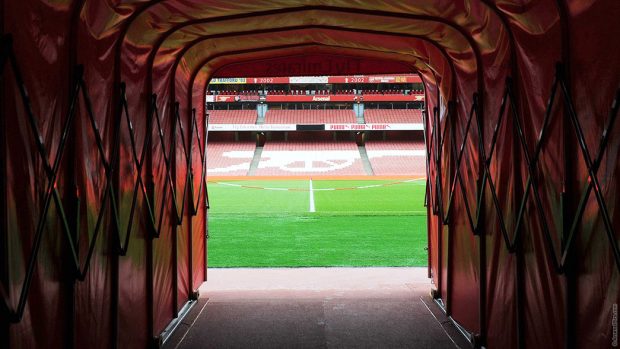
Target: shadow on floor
x=316 y=308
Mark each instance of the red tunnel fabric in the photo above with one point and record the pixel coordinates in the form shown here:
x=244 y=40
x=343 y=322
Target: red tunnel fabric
x=133 y=200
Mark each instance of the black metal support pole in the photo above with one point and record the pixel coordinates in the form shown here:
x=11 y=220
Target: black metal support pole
x=481 y=225
x=173 y=226
x=149 y=288
x=5 y=339
x=438 y=191
x=520 y=302
x=114 y=236
x=483 y=290
x=71 y=188
x=114 y=287
x=520 y=262
x=114 y=291
x=428 y=196
x=205 y=133
x=150 y=189
x=451 y=123
x=569 y=151
x=71 y=202
x=570 y=282
x=206 y=235
x=567 y=200
x=190 y=255
x=190 y=203
x=517 y=158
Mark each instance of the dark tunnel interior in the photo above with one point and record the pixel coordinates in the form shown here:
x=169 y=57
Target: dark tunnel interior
x=103 y=191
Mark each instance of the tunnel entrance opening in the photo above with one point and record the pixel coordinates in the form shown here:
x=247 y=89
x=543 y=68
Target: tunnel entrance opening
x=322 y=196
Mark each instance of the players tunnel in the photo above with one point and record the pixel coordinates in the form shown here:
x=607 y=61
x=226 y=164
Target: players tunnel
x=103 y=198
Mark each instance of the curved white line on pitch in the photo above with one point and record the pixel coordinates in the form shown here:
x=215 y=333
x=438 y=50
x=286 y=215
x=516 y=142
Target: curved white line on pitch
x=318 y=189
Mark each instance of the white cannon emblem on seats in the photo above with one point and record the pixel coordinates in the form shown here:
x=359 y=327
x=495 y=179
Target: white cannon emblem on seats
x=308 y=161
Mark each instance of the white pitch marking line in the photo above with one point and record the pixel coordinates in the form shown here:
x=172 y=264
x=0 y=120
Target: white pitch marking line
x=323 y=189
x=229 y=184
x=369 y=186
x=312 y=208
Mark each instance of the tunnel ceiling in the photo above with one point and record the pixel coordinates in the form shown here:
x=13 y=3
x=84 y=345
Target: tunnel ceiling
x=193 y=40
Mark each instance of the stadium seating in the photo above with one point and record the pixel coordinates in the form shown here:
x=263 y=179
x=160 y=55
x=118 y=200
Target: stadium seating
x=319 y=158
x=310 y=116
x=229 y=158
x=393 y=116
x=397 y=157
x=232 y=116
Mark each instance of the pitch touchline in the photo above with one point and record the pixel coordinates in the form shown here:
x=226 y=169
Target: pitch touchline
x=318 y=189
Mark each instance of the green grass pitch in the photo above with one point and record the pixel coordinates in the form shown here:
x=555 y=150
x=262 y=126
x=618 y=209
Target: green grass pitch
x=355 y=223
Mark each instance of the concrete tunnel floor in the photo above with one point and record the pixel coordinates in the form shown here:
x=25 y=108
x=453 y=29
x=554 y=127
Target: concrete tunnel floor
x=316 y=308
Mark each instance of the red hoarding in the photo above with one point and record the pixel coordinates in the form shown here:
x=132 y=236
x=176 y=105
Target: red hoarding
x=345 y=98
x=351 y=79
x=317 y=98
x=267 y=81
x=375 y=79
